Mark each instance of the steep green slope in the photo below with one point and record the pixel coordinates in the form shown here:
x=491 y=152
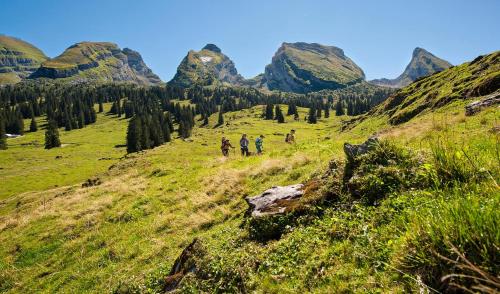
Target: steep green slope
x=471 y=79
x=422 y=63
x=18 y=59
x=206 y=67
x=302 y=67
x=97 y=62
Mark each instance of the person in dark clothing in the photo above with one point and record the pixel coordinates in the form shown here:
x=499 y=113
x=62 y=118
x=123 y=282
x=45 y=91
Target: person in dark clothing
x=225 y=146
x=244 y=145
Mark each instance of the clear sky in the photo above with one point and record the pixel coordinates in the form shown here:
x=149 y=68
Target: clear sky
x=378 y=35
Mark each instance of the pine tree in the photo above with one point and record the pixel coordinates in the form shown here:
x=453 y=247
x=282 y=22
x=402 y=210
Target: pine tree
x=33 y=126
x=52 y=135
x=3 y=138
x=269 y=112
x=318 y=112
x=134 y=131
x=220 y=121
x=327 y=110
x=339 y=109
x=279 y=114
x=101 y=107
x=350 y=108
x=311 y=118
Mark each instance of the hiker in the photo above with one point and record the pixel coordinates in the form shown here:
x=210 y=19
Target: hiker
x=290 y=138
x=225 y=146
x=258 y=144
x=244 y=145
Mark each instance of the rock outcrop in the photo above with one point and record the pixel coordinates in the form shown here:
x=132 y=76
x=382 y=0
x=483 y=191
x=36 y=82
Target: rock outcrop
x=206 y=67
x=303 y=67
x=97 y=62
x=274 y=200
x=487 y=101
x=423 y=63
x=18 y=59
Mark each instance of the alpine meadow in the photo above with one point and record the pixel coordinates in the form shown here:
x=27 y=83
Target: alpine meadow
x=308 y=171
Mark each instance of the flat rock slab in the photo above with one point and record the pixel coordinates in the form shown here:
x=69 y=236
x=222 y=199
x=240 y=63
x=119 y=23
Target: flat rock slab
x=274 y=200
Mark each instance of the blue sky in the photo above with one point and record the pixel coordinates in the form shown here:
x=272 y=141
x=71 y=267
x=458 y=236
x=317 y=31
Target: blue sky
x=378 y=35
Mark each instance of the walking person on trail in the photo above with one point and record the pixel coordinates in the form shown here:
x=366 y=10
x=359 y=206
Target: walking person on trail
x=244 y=145
x=258 y=144
x=225 y=146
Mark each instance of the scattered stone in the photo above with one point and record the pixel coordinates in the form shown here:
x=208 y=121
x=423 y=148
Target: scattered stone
x=58 y=156
x=486 y=101
x=91 y=182
x=105 y=158
x=274 y=200
x=351 y=151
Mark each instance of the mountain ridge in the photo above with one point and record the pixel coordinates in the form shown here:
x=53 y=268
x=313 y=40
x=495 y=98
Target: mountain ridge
x=97 y=61
x=422 y=63
x=18 y=59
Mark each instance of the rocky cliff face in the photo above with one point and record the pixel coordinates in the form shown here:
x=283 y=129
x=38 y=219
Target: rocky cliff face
x=423 y=63
x=209 y=66
x=18 y=59
x=97 y=62
x=304 y=67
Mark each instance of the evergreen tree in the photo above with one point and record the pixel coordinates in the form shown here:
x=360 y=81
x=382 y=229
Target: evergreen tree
x=311 y=118
x=318 y=112
x=279 y=114
x=269 y=112
x=327 y=110
x=101 y=107
x=339 y=109
x=52 y=135
x=33 y=126
x=134 y=131
x=221 y=118
x=350 y=108
x=3 y=138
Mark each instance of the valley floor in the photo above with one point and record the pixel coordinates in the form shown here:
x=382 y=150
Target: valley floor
x=125 y=233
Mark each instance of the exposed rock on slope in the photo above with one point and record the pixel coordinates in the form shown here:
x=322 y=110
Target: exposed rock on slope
x=18 y=59
x=423 y=63
x=302 y=67
x=97 y=62
x=209 y=66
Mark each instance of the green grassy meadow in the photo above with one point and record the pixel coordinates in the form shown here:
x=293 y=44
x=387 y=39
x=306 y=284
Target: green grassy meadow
x=126 y=232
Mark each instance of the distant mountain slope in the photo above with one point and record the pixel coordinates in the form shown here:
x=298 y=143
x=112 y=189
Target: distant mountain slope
x=100 y=62
x=422 y=63
x=303 y=67
x=472 y=79
x=209 y=66
x=18 y=59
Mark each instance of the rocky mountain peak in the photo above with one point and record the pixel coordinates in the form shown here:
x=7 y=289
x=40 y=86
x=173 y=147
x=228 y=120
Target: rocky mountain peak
x=212 y=47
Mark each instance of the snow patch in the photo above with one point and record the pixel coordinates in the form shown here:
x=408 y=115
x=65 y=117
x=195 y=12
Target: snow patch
x=205 y=59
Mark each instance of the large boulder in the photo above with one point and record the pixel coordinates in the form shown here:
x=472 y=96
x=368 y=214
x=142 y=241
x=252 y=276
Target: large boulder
x=275 y=200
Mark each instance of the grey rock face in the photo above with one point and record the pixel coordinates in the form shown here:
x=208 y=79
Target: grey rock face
x=274 y=200
x=351 y=151
x=422 y=63
x=476 y=106
x=308 y=67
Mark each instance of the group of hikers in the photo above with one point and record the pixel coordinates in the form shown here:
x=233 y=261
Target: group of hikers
x=244 y=143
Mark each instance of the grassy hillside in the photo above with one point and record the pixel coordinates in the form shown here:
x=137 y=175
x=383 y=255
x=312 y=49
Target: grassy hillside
x=27 y=166
x=18 y=59
x=126 y=232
